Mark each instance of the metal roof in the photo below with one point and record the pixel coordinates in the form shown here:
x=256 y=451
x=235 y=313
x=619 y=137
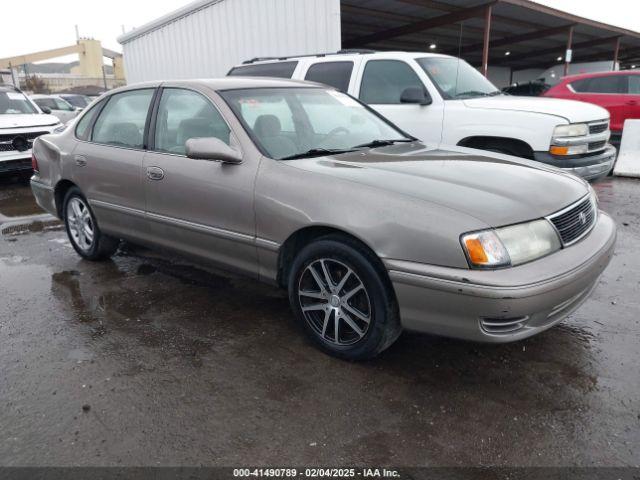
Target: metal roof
x=534 y=35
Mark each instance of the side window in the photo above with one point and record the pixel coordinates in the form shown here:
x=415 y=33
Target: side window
x=634 y=84
x=610 y=84
x=384 y=81
x=184 y=114
x=275 y=69
x=123 y=119
x=46 y=102
x=82 y=128
x=334 y=74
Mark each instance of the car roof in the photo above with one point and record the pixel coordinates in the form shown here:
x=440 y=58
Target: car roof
x=581 y=76
x=225 y=83
x=339 y=55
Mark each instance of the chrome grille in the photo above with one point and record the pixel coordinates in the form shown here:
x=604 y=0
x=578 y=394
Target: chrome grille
x=597 y=145
x=598 y=127
x=6 y=140
x=574 y=222
x=503 y=326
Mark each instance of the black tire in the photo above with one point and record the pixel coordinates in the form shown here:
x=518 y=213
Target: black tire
x=340 y=254
x=102 y=246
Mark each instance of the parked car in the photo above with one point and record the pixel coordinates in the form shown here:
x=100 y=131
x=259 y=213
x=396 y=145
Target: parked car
x=370 y=230
x=77 y=100
x=58 y=106
x=618 y=92
x=21 y=121
x=528 y=89
x=442 y=99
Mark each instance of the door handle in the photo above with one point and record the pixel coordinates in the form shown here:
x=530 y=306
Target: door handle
x=155 y=173
x=81 y=160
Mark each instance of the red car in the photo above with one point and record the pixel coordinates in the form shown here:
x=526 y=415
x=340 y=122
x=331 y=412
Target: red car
x=618 y=92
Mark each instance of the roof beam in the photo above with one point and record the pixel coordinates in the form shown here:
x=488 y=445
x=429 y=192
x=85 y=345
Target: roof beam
x=38 y=56
x=419 y=26
x=517 y=38
x=561 y=48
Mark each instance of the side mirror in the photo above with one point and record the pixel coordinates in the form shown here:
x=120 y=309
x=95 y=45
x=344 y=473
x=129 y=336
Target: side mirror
x=415 y=95
x=46 y=110
x=211 y=148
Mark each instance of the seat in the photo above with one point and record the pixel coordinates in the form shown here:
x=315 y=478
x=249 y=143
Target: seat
x=269 y=131
x=123 y=133
x=199 y=127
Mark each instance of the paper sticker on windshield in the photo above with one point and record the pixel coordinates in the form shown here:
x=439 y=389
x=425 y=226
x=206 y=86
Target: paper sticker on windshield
x=15 y=96
x=346 y=100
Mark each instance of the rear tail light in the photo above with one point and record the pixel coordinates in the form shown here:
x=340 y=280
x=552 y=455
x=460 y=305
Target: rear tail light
x=34 y=163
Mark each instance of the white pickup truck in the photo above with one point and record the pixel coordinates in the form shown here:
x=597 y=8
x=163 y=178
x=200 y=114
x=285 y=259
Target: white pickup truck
x=442 y=99
x=21 y=121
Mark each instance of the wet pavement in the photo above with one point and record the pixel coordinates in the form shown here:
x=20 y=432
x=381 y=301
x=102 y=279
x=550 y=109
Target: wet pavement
x=148 y=360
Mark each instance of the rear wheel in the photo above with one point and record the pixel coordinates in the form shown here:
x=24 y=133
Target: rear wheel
x=83 y=231
x=342 y=299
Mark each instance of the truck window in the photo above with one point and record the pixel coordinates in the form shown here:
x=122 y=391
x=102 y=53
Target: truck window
x=275 y=69
x=334 y=74
x=634 y=84
x=384 y=81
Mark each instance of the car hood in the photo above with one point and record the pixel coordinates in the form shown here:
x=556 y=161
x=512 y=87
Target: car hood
x=572 y=111
x=496 y=189
x=27 y=120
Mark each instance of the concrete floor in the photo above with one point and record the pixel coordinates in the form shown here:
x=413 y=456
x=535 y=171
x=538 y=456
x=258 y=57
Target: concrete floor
x=175 y=365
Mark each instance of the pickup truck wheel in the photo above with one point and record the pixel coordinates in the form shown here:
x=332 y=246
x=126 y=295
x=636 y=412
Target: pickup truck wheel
x=341 y=301
x=82 y=228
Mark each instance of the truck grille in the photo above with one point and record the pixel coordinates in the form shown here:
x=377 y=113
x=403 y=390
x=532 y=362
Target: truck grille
x=574 y=222
x=598 y=127
x=597 y=145
x=7 y=140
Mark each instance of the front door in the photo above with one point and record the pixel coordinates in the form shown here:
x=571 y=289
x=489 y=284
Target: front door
x=381 y=86
x=198 y=207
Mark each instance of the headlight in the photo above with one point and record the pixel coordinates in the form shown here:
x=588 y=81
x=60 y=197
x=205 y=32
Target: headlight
x=565 y=141
x=512 y=245
x=572 y=130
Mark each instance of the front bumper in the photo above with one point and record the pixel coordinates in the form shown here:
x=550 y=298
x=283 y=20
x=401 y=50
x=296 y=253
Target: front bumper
x=15 y=163
x=527 y=299
x=588 y=167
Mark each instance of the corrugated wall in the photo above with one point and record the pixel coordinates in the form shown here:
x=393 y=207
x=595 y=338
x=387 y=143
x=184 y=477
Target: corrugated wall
x=209 y=41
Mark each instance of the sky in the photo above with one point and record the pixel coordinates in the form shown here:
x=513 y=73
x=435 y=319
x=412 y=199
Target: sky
x=52 y=24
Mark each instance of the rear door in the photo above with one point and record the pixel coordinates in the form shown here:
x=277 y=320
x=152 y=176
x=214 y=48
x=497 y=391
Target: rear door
x=632 y=100
x=199 y=207
x=381 y=83
x=107 y=161
x=606 y=91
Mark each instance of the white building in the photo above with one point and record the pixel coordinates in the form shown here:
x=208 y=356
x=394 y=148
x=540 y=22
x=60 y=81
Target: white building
x=509 y=40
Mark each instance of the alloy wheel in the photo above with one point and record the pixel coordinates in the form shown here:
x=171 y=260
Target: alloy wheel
x=80 y=224
x=334 y=302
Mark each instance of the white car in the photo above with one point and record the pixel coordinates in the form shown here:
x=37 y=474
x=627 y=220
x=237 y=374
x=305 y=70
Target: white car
x=57 y=105
x=443 y=99
x=21 y=121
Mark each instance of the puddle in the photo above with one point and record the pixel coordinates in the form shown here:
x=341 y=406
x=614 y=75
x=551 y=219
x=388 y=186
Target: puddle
x=16 y=200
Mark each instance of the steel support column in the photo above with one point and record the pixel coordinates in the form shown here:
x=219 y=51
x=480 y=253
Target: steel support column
x=616 y=53
x=569 y=44
x=487 y=37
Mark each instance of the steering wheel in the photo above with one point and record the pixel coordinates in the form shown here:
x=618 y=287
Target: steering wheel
x=335 y=132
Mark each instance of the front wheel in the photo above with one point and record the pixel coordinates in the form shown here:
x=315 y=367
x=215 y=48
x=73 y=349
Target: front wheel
x=85 y=236
x=342 y=299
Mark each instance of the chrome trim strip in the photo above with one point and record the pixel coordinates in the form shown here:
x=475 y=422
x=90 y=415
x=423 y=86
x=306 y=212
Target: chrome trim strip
x=198 y=227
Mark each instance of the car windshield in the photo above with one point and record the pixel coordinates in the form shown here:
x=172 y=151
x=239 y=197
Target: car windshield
x=15 y=103
x=457 y=79
x=288 y=123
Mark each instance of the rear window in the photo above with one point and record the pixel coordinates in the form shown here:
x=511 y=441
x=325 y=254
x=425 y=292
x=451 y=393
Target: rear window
x=334 y=74
x=275 y=69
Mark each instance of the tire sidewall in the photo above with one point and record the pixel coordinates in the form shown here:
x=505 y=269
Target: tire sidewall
x=378 y=292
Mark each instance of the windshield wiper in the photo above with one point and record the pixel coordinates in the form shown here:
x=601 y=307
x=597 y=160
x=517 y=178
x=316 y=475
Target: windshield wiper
x=471 y=93
x=316 y=152
x=382 y=143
